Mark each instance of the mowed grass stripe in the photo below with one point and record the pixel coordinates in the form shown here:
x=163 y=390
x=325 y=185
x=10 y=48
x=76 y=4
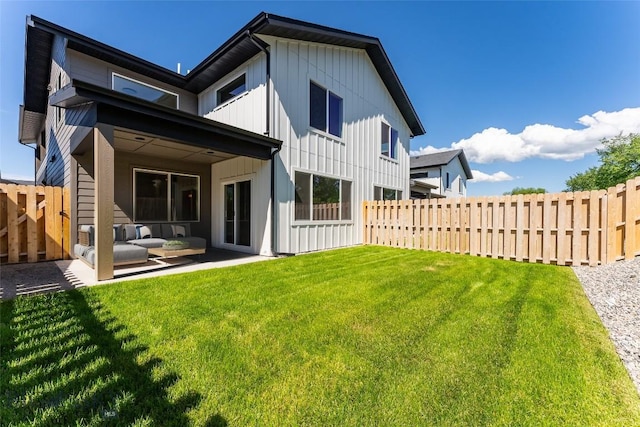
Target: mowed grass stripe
x=358 y=336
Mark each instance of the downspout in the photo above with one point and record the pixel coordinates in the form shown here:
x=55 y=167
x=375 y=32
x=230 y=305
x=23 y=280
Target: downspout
x=274 y=226
x=261 y=45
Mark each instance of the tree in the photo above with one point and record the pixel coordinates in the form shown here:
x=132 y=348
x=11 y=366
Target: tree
x=619 y=162
x=525 y=190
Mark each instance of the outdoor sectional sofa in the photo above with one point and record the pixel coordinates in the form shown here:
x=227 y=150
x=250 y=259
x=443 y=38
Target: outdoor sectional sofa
x=132 y=241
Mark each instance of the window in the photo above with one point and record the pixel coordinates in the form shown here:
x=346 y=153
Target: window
x=321 y=198
x=144 y=91
x=460 y=186
x=389 y=141
x=231 y=90
x=448 y=186
x=325 y=110
x=381 y=193
x=165 y=196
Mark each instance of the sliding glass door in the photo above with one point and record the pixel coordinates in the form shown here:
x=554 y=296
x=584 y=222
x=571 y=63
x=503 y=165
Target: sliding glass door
x=237 y=213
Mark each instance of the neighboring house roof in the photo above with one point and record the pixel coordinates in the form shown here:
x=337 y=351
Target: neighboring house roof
x=441 y=158
x=238 y=49
x=16 y=181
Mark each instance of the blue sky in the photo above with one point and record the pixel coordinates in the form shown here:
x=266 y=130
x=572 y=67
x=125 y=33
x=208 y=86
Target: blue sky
x=528 y=89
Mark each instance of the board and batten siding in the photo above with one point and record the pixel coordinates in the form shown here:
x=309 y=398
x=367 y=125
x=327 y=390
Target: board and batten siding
x=247 y=110
x=356 y=157
x=97 y=72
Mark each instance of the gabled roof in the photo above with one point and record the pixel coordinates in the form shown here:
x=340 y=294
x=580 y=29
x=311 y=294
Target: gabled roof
x=239 y=48
x=441 y=158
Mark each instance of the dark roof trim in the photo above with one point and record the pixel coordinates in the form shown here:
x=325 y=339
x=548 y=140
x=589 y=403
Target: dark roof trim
x=279 y=26
x=238 y=49
x=84 y=44
x=126 y=111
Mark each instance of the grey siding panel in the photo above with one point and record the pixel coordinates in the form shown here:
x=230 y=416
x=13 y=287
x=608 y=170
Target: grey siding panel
x=97 y=72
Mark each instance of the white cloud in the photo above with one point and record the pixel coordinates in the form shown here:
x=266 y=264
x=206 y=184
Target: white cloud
x=494 y=177
x=427 y=150
x=547 y=141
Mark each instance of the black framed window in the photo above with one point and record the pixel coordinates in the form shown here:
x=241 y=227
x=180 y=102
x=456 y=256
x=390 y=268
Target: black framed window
x=321 y=198
x=165 y=196
x=381 y=193
x=388 y=141
x=325 y=110
x=144 y=91
x=231 y=90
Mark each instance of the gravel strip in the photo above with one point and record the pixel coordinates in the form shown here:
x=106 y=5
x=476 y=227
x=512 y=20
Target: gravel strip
x=614 y=291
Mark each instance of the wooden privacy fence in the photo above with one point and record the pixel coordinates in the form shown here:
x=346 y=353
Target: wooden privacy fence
x=591 y=227
x=34 y=223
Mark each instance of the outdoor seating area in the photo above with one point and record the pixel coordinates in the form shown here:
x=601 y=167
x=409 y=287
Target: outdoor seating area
x=133 y=242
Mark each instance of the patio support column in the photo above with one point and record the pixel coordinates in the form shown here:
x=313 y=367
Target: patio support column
x=103 y=167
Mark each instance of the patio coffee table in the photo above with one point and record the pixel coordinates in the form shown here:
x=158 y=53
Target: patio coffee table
x=167 y=253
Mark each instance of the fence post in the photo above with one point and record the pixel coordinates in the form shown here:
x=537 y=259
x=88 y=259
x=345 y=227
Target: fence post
x=632 y=208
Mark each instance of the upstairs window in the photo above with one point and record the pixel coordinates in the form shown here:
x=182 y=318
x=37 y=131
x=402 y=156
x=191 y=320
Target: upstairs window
x=325 y=110
x=231 y=90
x=389 y=141
x=144 y=91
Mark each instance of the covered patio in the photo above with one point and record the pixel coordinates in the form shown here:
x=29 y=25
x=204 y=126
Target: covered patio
x=116 y=133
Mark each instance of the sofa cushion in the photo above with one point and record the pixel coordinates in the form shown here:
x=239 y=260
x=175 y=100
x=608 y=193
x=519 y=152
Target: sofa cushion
x=156 y=230
x=150 y=242
x=167 y=230
x=118 y=232
x=129 y=232
x=122 y=253
x=143 y=231
x=179 y=231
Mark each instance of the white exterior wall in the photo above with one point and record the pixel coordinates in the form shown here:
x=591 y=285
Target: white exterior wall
x=247 y=110
x=236 y=170
x=456 y=176
x=355 y=156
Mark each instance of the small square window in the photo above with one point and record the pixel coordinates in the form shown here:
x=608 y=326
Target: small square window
x=232 y=89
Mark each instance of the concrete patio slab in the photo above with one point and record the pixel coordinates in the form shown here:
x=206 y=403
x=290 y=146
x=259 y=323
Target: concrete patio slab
x=55 y=276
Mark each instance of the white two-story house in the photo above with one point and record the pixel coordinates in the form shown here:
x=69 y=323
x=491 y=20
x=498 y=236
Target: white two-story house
x=269 y=145
x=440 y=174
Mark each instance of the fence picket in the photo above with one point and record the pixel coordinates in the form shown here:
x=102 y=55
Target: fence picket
x=33 y=227
x=631 y=212
x=589 y=227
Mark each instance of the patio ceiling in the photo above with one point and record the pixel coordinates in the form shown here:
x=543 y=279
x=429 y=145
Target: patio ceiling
x=152 y=145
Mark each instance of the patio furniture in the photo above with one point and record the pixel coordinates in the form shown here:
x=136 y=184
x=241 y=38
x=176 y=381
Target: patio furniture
x=132 y=243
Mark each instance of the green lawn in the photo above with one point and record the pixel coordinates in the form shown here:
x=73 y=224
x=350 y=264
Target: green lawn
x=360 y=336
